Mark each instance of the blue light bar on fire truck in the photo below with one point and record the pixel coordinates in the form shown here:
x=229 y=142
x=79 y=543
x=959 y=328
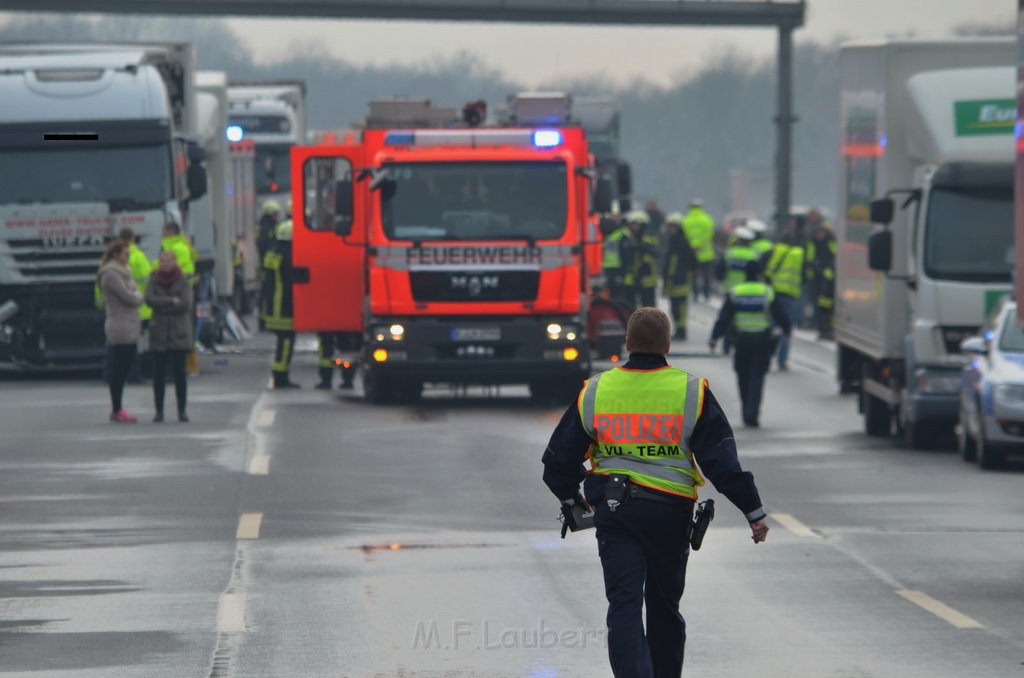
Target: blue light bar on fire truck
x=542 y=138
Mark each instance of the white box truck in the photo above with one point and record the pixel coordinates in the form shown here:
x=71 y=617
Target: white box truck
x=93 y=138
x=272 y=114
x=925 y=223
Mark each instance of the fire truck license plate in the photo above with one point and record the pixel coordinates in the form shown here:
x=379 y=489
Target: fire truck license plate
x=476 y=334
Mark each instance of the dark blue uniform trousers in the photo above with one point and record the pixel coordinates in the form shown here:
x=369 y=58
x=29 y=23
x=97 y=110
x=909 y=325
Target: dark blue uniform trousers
x=643 y=547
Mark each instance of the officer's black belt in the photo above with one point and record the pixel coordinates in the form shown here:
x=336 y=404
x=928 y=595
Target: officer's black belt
x=640 y=492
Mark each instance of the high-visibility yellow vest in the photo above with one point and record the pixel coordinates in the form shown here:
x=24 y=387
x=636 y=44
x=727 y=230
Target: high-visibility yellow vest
x=736 y=259
x=700 y=231
x=612 y=257
x=785 y=269
x=139 y=265
x=753 y=302
x=183 y=252
x=641 y=422
x=762 y=246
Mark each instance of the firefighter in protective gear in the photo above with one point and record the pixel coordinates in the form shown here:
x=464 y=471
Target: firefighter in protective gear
x=751 y=310
x=821 y=261
x=699 y=227
x=620 y=254
x=277 y=302
x=647 y=262
x=680 y=269
x=734 y=262
x=786 y=276
x=649 y=431
x=270 y=217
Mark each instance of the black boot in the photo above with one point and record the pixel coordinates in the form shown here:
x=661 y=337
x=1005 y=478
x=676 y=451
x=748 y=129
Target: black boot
x=325 y=379
x=281 y=381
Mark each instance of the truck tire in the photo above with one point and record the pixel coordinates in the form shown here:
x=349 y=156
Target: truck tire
x=877 y=416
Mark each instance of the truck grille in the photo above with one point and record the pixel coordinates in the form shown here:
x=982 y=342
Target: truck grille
x=35 y=261
x=474 y=285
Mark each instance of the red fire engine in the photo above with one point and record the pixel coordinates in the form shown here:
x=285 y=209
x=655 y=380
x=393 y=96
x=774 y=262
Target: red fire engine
x=450 y=254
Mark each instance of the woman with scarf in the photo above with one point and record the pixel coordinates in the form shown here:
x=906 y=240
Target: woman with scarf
x=170 y=330
x=123 y=325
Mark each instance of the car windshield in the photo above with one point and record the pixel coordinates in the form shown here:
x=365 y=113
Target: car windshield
x=1011 y=340
x=475 y=200
x=970 y=235
x=273 y=169
x=131 y=176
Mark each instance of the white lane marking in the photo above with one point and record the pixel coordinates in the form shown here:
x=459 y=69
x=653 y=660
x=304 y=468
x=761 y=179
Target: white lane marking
x=249 y=526
x=267 y=417
x=940 y=609
x=259 y=465
x=231 y=613
x=794 y=525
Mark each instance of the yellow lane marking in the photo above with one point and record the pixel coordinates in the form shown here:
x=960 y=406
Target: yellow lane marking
x=259 y=465
x=794 y=525
x=267 y=417
x=940 y=609
x=231 y=613
x=249 y=526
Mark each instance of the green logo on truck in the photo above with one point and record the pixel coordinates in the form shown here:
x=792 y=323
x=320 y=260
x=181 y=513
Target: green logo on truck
x=984 y=116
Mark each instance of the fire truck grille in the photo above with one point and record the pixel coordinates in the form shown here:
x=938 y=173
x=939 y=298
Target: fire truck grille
x=474 y=285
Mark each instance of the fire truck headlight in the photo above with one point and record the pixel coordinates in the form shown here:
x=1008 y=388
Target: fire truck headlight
x=554 y=331
x=396 y=331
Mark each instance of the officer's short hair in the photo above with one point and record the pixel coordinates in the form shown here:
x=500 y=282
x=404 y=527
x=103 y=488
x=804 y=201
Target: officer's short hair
x=126 y=234
x=648 y=331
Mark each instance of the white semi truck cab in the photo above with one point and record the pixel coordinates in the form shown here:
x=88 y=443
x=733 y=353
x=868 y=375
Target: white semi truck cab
x=92 y=141
x=926 y=226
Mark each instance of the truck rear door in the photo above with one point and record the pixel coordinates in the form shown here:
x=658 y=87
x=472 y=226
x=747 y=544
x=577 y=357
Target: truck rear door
x=329 y=239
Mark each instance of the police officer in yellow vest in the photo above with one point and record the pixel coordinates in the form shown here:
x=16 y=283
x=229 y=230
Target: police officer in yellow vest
x=620 y=258
x=750 y=310
x=785 y=273
x=277 y=302
x=649 y=431
x=699 y=227
x=735 y=259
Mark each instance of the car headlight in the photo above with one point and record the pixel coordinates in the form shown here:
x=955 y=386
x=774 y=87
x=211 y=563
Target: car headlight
x=1010 y=394
x=557 y=332
x=393 y=332
x=937 y=382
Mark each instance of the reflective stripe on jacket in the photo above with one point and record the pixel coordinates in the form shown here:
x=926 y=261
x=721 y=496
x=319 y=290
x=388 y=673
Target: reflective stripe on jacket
x=753 y=302
x=647 y=264
x=641 y=422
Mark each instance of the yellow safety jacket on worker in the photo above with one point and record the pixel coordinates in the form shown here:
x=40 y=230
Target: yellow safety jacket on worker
x=277 y=301
x=647 y=260
x=612 y=261
x=700 y=230
x=763 y=246
x=752 y=302
x=140 y=268
x=736 y=259
x=183 y=252
x=641 y=422
x=785 y=270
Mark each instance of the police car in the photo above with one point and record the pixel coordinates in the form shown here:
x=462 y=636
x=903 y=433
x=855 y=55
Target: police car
x=992 y=390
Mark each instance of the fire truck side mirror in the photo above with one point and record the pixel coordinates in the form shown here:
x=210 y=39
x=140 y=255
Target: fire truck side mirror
x=603 y=196
x=197 y=181
x=343 y=207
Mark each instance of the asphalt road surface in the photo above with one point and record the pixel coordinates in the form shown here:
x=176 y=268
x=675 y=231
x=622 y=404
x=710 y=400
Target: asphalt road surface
x=305 y=534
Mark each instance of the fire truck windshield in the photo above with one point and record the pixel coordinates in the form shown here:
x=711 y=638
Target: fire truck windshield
x=475 y=200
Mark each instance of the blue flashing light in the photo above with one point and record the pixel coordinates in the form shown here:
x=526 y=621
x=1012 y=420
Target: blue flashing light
x=989 y=335
x=400 y=139
x=547 y=138
x=884 y=141
x=235 y=133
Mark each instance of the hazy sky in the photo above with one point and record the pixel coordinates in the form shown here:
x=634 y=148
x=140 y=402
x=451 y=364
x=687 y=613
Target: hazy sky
x=533 y=53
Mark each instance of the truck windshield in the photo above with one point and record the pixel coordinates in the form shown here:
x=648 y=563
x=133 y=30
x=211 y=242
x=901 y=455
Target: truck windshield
x=475 y=200
x=969 y=236
x=132 y=176
x=273 y=168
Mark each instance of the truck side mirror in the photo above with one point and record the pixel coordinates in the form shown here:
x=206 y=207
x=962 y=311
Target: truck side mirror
x=603 y=196
x=344 y=209
x=882 y=211
x=624 y=175
x=880 y=251
x=196 y=180
x=974 y=345
x=196 y=153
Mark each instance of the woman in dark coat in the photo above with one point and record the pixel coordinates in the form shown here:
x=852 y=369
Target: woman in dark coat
x=169 y=293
